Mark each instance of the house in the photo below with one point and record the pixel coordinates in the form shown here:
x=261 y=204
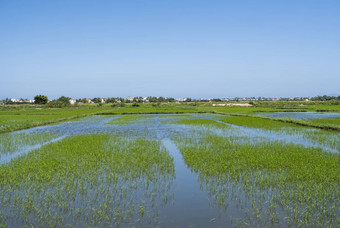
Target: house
x=28 y=101
x=15 y=100
x=72 y=101
x=88 y=100
x=128 y=98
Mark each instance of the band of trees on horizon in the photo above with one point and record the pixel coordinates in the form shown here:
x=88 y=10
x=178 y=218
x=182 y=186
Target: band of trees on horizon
x=65 y=101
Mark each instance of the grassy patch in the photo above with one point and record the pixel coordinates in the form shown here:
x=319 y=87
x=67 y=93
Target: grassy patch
x=335 y=121
x=200 y=122
x=87 y=180
x=275 y=183
x=128 y=119
x=12 y=142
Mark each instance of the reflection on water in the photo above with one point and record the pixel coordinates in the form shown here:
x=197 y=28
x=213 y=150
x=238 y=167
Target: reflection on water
x=186 y=198
x=297 y=136
x=301 y=115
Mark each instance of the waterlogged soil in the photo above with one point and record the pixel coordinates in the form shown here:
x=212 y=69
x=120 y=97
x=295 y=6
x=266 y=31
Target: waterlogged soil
x=301 y=115
x=191 y=197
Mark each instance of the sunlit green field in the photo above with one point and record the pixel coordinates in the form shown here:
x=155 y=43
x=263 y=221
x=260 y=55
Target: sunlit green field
x=86 y=180
x=192 y=169
x=16 y=117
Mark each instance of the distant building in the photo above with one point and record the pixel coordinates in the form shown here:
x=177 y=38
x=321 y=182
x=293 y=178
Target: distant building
x=29 y=101
x=129 y=98
x=15 y=100
x=72 y=101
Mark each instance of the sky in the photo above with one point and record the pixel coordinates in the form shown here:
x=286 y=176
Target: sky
x=170 y=48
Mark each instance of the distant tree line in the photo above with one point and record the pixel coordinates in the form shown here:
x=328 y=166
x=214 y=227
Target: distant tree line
x=64 y=101
x=325 y=98
x=60 y=102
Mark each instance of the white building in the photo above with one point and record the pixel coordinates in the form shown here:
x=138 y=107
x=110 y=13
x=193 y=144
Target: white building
x=72 y=101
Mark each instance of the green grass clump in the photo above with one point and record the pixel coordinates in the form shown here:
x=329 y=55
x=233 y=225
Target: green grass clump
x=200 y=122
x=302 y=184
x=11 y=120
x=12 y=142
x=334 y=121
x=320 y=136
x=255 y=122
x=87 y=180
x=16 y=117
x=128 y=119
x=163 y=108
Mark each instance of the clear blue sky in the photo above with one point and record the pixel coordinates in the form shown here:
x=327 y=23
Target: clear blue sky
x=175 y=48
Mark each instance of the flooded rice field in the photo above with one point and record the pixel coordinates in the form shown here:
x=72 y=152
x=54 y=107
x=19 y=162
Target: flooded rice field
x=189 y=170
x=302 y=115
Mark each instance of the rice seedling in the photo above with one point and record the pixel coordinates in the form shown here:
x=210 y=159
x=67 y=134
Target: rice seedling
x=273 y=180
x=11 y=120
x=11 y=142
x=86 y=180
x=322 y=137
x=335 y=121
x=200 y=122
x=110 y=171
x=129 y=119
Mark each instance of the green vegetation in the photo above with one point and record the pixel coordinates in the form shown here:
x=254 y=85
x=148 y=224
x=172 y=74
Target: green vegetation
x=323 y=137
x=86 y=181
x=335 y=121
x=154 y=109
x=12 y=142
x=40 y=99
x=15 y=117
x=128 y=119
x=198 y=122
x=273 y=183
x=61 y=102
x=125 y=179
x=258 y=121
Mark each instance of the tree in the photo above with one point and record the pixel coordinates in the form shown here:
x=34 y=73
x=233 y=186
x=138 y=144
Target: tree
x=64 y=100
x=170 y=99
x=152 y=99
x=111 y=100
x=97 y=100
x=7 y=101
x=40 y=99
x=161 y=99
x=60 y=102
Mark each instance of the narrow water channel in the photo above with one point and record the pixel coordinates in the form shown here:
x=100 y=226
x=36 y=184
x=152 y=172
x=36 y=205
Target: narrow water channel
x=189 y=199
x=190 y=204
